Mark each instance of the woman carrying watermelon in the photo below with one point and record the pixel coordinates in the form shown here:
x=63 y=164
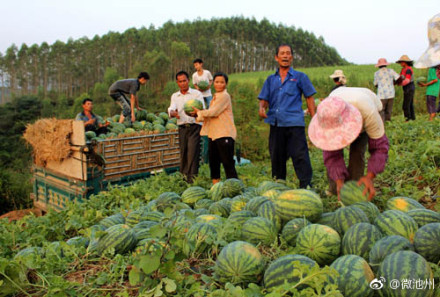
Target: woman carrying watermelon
x=350 y=117
x=218 y=125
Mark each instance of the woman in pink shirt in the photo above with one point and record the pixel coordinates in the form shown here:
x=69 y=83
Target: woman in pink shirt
x=218 y=125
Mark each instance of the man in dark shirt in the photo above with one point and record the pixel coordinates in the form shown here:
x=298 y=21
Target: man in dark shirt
x=281 y=97
x=91 y=121
x=128 y=86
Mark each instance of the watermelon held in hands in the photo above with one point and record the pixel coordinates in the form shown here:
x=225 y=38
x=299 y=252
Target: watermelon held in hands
x=203 y=85
x=188 y=106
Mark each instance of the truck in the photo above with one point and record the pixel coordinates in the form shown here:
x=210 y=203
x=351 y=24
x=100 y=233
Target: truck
x=93 y=166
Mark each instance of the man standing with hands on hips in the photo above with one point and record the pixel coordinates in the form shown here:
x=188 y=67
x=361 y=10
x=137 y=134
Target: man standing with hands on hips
x=189 y=130
x=282 y=95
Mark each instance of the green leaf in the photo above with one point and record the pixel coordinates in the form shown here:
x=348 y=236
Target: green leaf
x=170 y=285
x=135 y=276
x=149 y=263
x=158 y=231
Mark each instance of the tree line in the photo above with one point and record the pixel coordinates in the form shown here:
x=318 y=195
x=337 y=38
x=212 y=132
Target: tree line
x=232 y=45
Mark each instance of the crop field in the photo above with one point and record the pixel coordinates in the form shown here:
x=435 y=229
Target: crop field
x=248 y=237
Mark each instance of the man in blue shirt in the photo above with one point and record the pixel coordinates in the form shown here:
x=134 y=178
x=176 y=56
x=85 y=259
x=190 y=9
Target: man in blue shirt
x=282 y=93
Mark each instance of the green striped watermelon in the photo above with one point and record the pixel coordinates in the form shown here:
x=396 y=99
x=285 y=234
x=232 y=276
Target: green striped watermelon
x=133 y=217
x=345 y=217
x=112 y=220
x=271 y=194
x=189 y=104
x=142 y=229
x=270 y=185
x=193 y=194
x=255 y=202
x=210 y=219
x=200 y=211
x=167 y=199
x=240 y=217
x=118 y=240
x=283 y=270
x=238 y=203
x=258 y=229
x=299 y=203
x=359 y=239
x=352 y=193
x=404 y=204
x=203 y=203
x=395 y=222
x=427 y=242
x=328 y=219
x=30 y=257
x=239 y=262
x=78 y=242
x=234 y=224
x=386 y=246
x=154 y=216
x=232 y=187
x=370 y=209
x=318 y=242
x=267 y=210
x=405 y=265
x=200 y=237
x=424 y=216
x=354 y=277
x=292 y=228
x=215 y=192
x=218 y=208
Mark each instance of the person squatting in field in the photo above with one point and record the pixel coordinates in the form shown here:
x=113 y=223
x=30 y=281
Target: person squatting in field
x=431 y=59
x=91 y=121
x=350 y=117
x=128 y=86
x=189 y=130
x=218 y=125
x=281 y=97
x=384 y=80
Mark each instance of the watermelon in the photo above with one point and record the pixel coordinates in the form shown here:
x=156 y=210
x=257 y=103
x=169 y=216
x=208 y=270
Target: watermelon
x=158 y=128
x=370 y=209
x=352 y=193
x=234 y=224
x=142 y=229
x=239 y=262
x=137 y=126
x=203 y=85
x=267 y=210
x=200 y=237
x=238 y=203
x=395 y=222
x=240 y=217
x=258 y=229
x=328 y=219
x=200 y=211
x=420 y=79
x=297 y=204
x=427 y=242
x=405 y=265
x=270 y=185
x=193 y=194
x=119 y=239
x=112 y=220
x=345 y=217
x=171 y=127
x=255 y=202
x=271 y=194
x=283 y=270
x=78 y=242
x=164 y=116
x=232 y=187
x=210 y=219
x=189 y=104
x=318 y=242
x=424 y=216
x=218 y=208
x=386 y=246
x=167 y=200
x=116 y=118
x=129 y=131
x=359 y=239
x=30 y=257
x=149 y=246
x=404 y=204
x=215 y=192
x=90 y=135
x=155 y=216
x=133 y=217
x=292 y=228
x=354 y=277
x=203 y=203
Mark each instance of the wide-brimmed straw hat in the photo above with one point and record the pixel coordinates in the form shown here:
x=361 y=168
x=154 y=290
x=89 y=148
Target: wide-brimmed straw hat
x=335 y=125
x=431 y=57
x=337 y=73
x=404 y=58
x=382 y=62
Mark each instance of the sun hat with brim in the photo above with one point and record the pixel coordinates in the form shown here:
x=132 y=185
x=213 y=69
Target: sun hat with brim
x=404 y=58
x=337 y=73
x=335 y=125
x=382 y=62
x=431 y=57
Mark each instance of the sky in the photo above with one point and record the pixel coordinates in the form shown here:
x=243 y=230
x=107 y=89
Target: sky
x=361 y=31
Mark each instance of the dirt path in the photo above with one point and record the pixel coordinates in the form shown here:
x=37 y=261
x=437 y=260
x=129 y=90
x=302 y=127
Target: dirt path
x=18 y=214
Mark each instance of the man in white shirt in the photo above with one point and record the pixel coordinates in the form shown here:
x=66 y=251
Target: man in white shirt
x=189 y=130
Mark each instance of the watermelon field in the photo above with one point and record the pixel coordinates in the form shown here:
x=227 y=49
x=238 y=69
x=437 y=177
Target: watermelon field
x=251 y=236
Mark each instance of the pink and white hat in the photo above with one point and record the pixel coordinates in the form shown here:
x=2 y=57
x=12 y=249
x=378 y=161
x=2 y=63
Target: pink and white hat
x=335 y=125
x=382 y=62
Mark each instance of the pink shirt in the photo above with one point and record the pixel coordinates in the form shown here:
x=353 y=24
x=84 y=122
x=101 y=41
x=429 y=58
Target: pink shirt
x=218 y=120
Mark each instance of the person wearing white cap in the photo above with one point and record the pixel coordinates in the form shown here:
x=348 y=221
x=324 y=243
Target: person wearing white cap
x=384 y=80
x=339 y=79
x=350 y=117
x=431 y=59
x=407 y=83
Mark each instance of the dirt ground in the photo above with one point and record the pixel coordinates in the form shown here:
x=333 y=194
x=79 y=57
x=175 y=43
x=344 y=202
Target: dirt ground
x=18 y=214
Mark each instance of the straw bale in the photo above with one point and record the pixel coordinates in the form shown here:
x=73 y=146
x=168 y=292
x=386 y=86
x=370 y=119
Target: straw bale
x=50 y=139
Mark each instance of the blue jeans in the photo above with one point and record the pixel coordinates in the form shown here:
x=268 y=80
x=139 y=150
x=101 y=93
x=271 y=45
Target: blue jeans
x=124 y=103
x=207 y=101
